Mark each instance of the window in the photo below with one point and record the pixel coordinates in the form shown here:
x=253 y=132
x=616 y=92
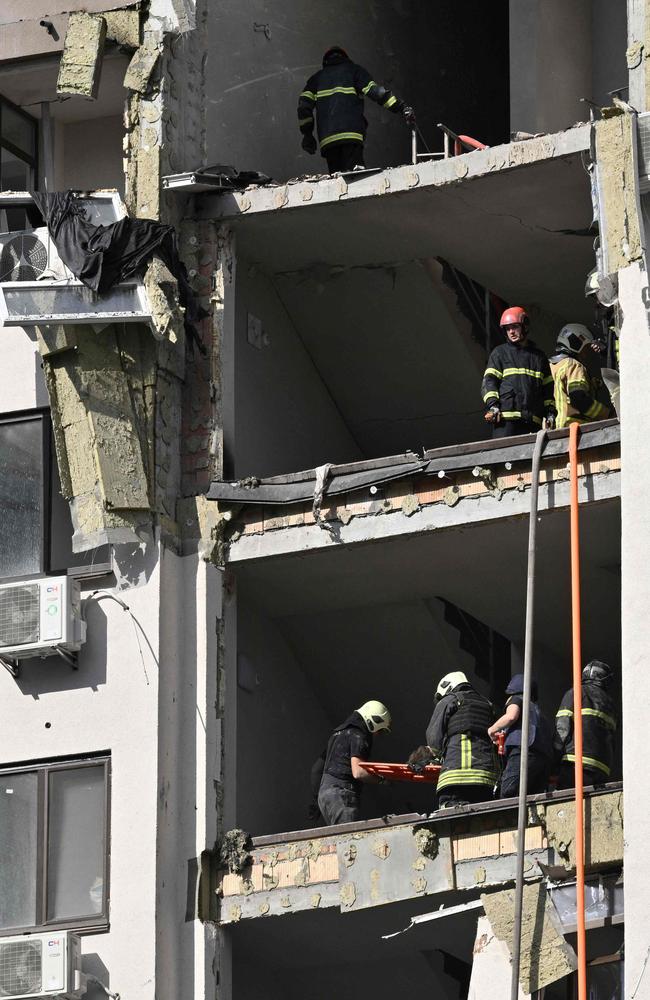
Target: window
x=35 y=523
x=18 y=149
x=23 y=495
x=54 y=845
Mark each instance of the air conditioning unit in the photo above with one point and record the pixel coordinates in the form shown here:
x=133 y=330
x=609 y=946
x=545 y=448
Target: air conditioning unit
x=40 y=617
x=41 y=965
x=30 y=255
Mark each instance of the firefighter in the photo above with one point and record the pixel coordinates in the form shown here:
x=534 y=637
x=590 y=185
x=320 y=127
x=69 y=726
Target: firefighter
x=457 y=736
x=575 y=390
x=335 y=95
x=598 y=728
x=339 y=793
x=540 y=741
x=517 y=386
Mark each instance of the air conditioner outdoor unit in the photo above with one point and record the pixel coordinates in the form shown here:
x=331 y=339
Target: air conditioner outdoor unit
x=41 y=965
x=40 y=617
x=31 y=255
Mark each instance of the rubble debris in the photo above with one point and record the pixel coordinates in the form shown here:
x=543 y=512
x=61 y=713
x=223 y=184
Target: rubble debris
x=235 y=851
x=81 y=61
x=123 y=27
x=545 y=955
x=141 y=67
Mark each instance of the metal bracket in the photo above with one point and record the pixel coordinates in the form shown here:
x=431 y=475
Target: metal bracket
x=11 y=665
x=72 y=659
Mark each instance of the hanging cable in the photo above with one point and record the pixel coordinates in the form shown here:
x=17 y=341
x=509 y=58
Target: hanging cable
x=574 y=433
x=540 y=440
x=105 y=595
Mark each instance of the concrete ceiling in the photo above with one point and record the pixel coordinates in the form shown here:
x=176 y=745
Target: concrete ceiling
x=507 y=230
x=363 y=614
x=394 y=351
x=31 y=82
x=295 y=953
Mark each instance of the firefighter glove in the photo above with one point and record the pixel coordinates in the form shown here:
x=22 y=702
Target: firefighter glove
x=493 y=415
x=550 y=421
x=409 y=115
x=309 y=144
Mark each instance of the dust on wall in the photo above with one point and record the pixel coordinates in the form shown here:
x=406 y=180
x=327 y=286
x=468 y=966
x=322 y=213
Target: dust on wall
x=545 y=955
x=617 y=191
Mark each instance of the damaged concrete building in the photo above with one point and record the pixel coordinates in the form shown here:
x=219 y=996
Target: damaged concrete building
x=227 y=521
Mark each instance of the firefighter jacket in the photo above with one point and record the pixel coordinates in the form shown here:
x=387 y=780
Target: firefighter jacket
x=334 y=95
x=575 y=392
x=518 y=380
x=457 y=733
x=598 y=728
x=350 y=739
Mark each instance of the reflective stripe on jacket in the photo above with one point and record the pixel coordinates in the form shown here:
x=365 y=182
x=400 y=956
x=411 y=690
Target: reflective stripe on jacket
x=334 y=95
x=598 y=728
x=518 y=380
x=575 y=392
x=468 y=758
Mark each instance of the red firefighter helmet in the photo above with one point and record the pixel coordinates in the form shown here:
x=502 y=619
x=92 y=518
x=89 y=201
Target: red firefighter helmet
x=515 y=314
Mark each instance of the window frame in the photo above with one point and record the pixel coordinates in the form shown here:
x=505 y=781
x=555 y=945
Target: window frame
x=84 y=570
x=94 y=923
x=31 y=161
x=22 y=417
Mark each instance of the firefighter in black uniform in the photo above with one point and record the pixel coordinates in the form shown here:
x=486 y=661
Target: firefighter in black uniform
x=457 y=735
x=517 y=387
x=598 y=728
x=339 y=793
x=335 y=95
x=540 y=741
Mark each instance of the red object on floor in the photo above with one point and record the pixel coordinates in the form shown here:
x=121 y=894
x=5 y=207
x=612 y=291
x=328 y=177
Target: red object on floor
x=401 y=772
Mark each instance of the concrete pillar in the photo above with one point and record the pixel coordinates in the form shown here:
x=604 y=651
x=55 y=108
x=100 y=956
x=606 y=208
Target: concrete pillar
x=550 y=63
x=635 y=622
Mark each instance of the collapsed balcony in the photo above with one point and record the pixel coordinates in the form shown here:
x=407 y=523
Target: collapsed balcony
x=411 y=889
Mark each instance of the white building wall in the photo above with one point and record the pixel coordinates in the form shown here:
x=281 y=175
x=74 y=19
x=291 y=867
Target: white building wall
x=635 y=599
x=145 y=692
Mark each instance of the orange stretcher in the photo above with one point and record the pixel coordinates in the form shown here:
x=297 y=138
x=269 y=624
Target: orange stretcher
x=401 y=772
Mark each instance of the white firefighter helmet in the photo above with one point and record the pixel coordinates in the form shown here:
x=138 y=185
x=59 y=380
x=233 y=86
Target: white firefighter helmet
x=449 y=682
x=375 y=715
x=574 y=336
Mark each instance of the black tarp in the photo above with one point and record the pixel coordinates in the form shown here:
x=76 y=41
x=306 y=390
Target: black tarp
x=103 y=256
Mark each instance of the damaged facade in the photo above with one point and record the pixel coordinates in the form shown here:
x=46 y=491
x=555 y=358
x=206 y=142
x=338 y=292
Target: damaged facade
x=271 y=496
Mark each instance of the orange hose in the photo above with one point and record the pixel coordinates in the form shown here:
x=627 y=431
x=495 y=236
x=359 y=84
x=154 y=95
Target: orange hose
x=574 y=432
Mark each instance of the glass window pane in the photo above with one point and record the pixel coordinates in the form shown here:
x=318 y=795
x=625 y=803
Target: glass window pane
x=15 y=174
x=21 y=493
x=18 y=130
x=62 y=557
x=75 y=865
x=18 y=831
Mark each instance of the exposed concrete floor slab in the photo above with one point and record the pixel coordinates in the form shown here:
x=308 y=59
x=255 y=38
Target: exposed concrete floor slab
x=508 y=216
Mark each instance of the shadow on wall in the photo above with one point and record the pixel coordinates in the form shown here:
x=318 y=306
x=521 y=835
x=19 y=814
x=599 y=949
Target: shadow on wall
x=134 y=564
x=43 y=676
x=92 y=965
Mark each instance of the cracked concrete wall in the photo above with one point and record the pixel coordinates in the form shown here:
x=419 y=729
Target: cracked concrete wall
x=616 y=172
x=545 y=955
